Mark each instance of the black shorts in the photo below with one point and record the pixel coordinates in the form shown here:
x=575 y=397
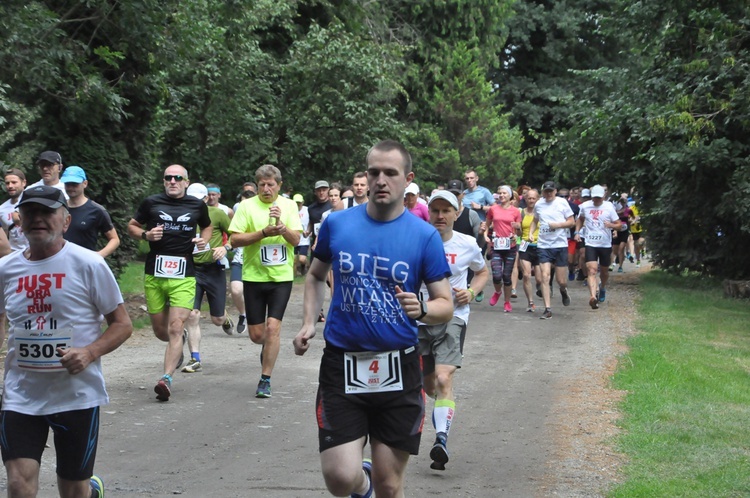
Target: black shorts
x=301 y=250
x=235 y=272
x=530 y=254
x=211 y=280
x=394 y=418
x=266 y=300
x=636 y=236
x=76 y=435
x=601 y=254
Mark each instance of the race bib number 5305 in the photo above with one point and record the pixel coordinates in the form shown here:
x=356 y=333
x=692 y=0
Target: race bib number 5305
x=37 y=349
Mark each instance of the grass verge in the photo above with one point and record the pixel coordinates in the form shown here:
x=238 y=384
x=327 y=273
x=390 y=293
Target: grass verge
x=686 y=414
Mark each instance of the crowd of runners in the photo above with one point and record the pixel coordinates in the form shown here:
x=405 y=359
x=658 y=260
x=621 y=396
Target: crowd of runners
x=399 y=267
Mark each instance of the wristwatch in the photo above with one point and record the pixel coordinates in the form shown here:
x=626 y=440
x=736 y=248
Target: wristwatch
x=143 y=235
x=423 y=307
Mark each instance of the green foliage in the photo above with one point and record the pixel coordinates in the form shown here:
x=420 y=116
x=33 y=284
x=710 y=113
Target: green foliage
x=674 y=126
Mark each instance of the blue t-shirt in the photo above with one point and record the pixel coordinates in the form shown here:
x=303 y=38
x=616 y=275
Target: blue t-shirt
x=480 y=195
x=369 y=258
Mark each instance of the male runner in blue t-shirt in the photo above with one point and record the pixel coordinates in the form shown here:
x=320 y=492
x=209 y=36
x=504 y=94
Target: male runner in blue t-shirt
x=370 y=382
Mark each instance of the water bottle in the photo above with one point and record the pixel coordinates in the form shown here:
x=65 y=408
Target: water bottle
x=272 y=220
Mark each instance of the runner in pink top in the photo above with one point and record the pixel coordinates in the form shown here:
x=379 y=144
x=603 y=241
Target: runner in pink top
x=503 y=224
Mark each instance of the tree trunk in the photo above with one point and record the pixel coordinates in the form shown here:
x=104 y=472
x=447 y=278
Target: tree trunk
x=737 y=288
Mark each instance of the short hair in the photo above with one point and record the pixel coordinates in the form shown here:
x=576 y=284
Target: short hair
x=360 y=174
x=337 y=186
x=16 y=172
x=471 y=170
x=268 y=171
x=250 y=184
x=532 y=190
x=389 y=145
x=212 y=185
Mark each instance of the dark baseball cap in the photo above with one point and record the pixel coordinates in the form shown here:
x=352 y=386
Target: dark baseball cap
x=549 y=186
x=50 y=156
x=455 y=186
x=50 y=197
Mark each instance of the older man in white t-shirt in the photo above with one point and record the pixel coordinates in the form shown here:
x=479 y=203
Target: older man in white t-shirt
x=553 y=216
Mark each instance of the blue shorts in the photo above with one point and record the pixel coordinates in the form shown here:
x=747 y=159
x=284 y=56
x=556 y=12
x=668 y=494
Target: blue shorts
x=556 y=255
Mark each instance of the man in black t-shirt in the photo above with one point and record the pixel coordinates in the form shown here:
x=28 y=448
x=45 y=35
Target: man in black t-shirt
x=168 y=221
x=87 y=218
x=317 y=208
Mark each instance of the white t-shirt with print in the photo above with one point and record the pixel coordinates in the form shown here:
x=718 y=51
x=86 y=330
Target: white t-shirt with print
x=594 y=217
x=55 y=301
x=556 y=211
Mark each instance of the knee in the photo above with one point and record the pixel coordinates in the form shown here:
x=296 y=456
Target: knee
x=340 y=482
x=444 y=382
x=217 y=320
x=194 y=317
x=21 y=485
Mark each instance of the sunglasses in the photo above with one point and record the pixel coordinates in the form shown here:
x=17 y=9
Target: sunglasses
x=177 y=178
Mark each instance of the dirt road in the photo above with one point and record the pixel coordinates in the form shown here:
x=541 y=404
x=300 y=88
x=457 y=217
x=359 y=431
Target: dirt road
x=533 y=413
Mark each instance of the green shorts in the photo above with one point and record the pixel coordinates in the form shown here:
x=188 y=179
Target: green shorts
x=177 y=292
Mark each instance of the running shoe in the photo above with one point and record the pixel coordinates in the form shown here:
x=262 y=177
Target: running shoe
x=495 y=298
x=507 y=308
x=630 y=258
x=241 y=324
x=571 y=275
x=513 y=294
x=367 y=467
x=479 y=297
x=594 y=303
x=546 y=315
x=538 y=290
x=580 y=276
x=97 y=485
x=611 y=267
x=163 y=388
x=602 y=294
x=192 y=366
x=620 y=270
x=531 y=308
x=565 y=297
x=439 y=452
x=227 y=326
x=264 y=389
x=638 y=264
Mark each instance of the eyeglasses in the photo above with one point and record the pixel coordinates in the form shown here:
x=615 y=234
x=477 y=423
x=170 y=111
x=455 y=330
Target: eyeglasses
x=177 y=178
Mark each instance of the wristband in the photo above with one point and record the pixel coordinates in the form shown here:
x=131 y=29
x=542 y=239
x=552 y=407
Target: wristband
x=471 y=291
x=263 y=231
x=423 y=306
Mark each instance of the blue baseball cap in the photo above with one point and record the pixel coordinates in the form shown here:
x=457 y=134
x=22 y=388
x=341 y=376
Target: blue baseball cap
x=73 y=174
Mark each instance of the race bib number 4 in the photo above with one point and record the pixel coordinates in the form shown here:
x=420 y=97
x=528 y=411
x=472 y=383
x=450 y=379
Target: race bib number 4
x=273 y=255
x=37 y=349
x=368 y=372
x=170 y=266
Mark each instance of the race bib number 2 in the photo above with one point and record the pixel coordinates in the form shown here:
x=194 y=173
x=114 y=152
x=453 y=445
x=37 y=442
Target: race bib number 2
x=369 y=372
x=273 y=255
x=37 y=349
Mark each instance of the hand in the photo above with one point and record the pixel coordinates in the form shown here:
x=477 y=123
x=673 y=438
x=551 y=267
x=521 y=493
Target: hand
x=482 y=227
x=275 y=212
x=75 y=360
x=274 y=230
x=200 y=243
x=302 y=340
x=409 y=302
x=155 y=233
x=475 y=205
x=577 y=238
x=462 y=296
x=218 y=252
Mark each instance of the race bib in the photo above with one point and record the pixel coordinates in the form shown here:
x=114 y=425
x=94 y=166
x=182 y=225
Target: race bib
x=369 y=372
x=37 y=349
x=170 y=266
x=594 y=238
x=524 y=245
x=545 y=229
x=501 y=243
x=316 y=228
x=273 y=255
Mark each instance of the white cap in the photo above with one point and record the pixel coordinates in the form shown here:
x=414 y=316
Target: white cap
x=585 y=192
x=597 y=191
x=447 y=196
x=197 y=190
x=413 y=188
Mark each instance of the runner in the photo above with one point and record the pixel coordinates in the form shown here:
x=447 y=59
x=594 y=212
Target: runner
x=503 y=224
x=56 y=295
x=371 y=327
x=441 y=346
x=267 y=226
x=15 y=183
x=168 y=221
x=527 y=251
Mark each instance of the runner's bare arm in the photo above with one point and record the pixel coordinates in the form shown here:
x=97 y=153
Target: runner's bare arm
x=113 y=242
x=315 y=292
x=119 y=328
x=439 y=306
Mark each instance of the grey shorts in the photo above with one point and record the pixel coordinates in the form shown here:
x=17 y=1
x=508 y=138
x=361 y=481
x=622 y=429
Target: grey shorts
x=443 y=342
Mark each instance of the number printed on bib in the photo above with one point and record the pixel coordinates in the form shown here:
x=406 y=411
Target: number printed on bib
x=501 y=243
x=524 y=245
x=544 y=228
x=37 y=349
x=369 y=372
x=170 y=266
x=273 y=255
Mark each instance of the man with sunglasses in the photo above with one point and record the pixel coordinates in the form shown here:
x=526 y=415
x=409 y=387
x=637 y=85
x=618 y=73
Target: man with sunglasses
x=168 y=221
